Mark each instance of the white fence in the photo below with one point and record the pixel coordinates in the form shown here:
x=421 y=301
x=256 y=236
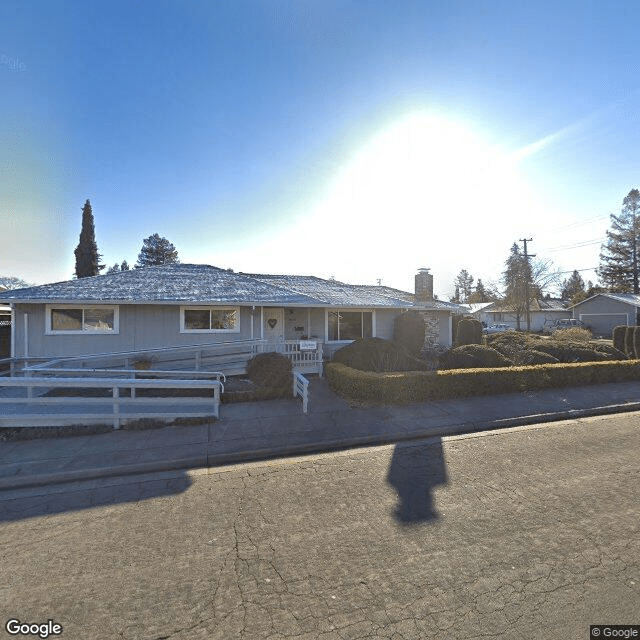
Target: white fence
x=21 y=403
x=301 y=388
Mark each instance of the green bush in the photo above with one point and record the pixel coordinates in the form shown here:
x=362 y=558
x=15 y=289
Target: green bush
x=473 y=356
x=615 y=354
x=377 y=354
x=469 y=332
x=421 y=386
x=271 y=371
x=408 y=330
x=628 y=342
x=618 y=337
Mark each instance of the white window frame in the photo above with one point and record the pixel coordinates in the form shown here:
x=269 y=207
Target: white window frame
x=82 y=307
x=347 y=310
x=183 y=329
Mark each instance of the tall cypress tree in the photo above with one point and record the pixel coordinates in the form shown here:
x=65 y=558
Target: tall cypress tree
x=87 y=256
x=619 y=260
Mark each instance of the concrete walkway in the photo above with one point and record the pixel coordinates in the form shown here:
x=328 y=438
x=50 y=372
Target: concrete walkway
x=259 y=430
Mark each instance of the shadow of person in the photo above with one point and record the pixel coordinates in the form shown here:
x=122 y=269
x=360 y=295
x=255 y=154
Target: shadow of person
x=415 y=470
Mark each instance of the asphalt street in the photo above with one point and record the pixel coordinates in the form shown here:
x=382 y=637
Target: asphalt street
x=523 y=533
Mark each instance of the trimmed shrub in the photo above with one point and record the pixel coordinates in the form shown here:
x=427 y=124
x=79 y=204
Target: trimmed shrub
x=420 y=386
x=618 y=337
x=628 y=342
x=473 y=356
x=615 y=354
x=469 y=332
x=532 y=356
x=572 y=334
x=636 y=343
x=408 y=330
x=377 y=354
x=271 y=371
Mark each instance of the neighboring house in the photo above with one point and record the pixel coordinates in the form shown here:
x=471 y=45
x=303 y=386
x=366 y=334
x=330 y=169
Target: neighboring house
x=604 y=311
x=541 y=312
x=186 y=304
x=475 y=309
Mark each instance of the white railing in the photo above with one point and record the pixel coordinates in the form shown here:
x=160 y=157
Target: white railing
x=123 y=408
x=229 y=357
x=301 y=388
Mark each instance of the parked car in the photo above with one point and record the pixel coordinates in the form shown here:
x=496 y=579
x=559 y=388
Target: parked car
x=497 y=328
x=565 y=323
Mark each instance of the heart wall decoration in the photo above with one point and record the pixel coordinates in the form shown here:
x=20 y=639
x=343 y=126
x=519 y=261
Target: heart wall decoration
x=272 y=322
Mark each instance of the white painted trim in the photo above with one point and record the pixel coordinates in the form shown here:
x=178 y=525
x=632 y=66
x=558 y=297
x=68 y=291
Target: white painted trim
x=13 y=330
x=183 y=308
x=26 y=335
x=82 y=332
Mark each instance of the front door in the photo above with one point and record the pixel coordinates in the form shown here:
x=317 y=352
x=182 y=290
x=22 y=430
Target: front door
x=273 y=325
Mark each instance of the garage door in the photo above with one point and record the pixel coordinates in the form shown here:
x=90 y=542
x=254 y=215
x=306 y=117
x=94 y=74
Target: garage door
x=602 y=323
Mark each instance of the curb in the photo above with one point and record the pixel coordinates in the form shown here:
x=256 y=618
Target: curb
x=209 y=462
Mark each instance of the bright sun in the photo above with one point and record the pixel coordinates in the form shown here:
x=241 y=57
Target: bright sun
x=426 y=191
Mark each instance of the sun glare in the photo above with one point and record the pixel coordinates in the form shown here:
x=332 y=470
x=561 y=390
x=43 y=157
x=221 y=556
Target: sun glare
x=426 y=191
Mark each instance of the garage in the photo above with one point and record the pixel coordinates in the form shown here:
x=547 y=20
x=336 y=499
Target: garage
x=603 y=324
x=605 y=311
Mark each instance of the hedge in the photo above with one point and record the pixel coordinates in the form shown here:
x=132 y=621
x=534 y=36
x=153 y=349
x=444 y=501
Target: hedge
x=420 y=386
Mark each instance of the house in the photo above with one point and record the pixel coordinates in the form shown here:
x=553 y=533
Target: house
x=604 y=311
x=541 y=312
x=189 y=304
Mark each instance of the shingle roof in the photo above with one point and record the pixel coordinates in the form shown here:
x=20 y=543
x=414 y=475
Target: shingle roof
x=543 y=304
x=204 y=284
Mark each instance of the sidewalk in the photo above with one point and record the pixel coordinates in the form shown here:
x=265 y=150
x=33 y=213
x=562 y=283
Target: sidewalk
x=252 y=431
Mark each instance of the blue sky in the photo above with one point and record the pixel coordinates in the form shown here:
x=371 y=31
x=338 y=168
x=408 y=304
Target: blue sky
x=353 y=139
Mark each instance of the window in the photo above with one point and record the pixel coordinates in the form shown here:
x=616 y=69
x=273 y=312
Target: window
x=350 y=325
x=65 y=319
x=209 y=319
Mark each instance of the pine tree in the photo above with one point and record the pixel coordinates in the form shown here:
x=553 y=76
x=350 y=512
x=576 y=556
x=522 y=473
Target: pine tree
x=124 y=266
x=573 y=287
x=480 y=294
x=464 y=286
x=517 y=279
x=619 y=256
x=156 y=251
x=87 y=256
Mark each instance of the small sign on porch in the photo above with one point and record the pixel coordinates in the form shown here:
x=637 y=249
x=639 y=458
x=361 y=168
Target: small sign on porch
x=308 y=345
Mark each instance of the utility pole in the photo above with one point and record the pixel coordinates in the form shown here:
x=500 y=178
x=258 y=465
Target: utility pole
x=526 y=279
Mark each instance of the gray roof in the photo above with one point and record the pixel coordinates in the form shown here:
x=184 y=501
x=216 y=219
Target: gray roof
x=204 y=284
x=627 y=298
x=542 y=304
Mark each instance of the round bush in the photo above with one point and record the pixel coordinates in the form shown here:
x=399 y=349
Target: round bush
x=615 y=354
x=377 y=354
x=473 y=356
x=469 y=331
x=409 y=331
x=270 y=370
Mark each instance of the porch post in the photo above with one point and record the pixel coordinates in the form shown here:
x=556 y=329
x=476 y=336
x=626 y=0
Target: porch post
x=261 y=323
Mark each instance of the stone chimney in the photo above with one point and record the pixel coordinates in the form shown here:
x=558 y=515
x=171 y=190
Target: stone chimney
x=424 y=285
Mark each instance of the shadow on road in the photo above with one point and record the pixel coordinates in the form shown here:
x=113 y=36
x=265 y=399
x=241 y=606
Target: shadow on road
x=74 y=496
x=415 y=470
